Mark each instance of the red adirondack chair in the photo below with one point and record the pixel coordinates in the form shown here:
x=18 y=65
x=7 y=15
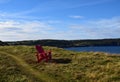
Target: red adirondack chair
x=42 y=55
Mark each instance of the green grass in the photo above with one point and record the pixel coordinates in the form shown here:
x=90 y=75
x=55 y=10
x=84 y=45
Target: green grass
x=18 y=64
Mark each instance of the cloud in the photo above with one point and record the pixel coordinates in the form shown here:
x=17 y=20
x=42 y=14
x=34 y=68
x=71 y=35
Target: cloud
x=8 y=16
x=104 y=28
x=17 y=30
x=11 y=30
x=48 y=6
x=76 y=17
x=54 y=21
x=26 y=28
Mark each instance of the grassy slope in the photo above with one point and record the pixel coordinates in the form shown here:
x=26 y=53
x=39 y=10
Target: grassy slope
x=18 y=63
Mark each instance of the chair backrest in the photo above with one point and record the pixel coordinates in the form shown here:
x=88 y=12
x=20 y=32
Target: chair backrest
x=39 y=49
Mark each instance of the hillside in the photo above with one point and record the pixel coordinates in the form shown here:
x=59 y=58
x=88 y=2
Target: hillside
x=3 y=43
x=18 y=64
x=69 y=43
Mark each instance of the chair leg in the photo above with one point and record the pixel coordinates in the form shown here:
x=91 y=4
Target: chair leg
x=49 y=55
x=37 y=58
x=46 y=57
x=41 y=59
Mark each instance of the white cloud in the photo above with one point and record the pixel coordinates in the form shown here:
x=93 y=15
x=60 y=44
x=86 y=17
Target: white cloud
x=8 y=24
x=104 y=28
x=54 y=21
x=8 y=16
x=29 y=30
x=76 y=17
x=12 y=30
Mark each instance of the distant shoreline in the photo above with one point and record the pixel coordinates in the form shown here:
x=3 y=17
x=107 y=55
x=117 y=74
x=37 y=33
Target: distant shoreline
x=66 y=43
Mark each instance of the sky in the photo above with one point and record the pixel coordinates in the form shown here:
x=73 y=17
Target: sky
x=59 y=19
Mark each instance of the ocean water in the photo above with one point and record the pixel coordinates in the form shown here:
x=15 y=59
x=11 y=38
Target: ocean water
x=107 y=49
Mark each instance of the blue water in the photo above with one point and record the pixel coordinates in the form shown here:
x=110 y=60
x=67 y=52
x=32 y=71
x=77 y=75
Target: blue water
x=108 y=49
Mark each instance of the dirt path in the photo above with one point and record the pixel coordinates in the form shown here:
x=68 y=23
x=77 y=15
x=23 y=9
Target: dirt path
x=29 y=69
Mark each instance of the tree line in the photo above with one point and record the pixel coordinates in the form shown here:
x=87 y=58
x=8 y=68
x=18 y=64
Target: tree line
x=65 y=43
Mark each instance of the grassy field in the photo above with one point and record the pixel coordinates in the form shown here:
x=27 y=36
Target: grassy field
x=18 y=64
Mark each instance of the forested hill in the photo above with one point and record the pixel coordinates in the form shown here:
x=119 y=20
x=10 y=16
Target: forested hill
x=3 y=43
x=68 y=43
